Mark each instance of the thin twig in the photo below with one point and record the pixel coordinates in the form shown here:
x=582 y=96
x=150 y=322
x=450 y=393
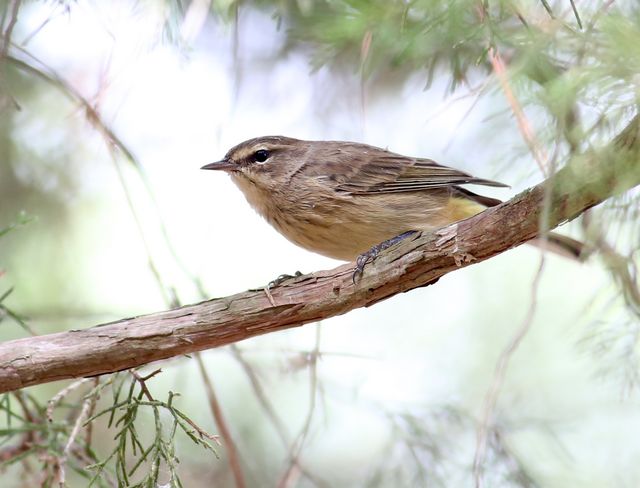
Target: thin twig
x=263 y=400
x=81 y=454
x=446 y=105
x=203 y=433
x=28 y=414
x=475 y=101
x=194 y=19
x=88 y=433
x=268 y=408
x=235 y=55
x=114 y=143
x=523 y=124
x=65 y=10
x=365 y=48
x=13 y=20
x=498 y=380
x=61 y=394
x=84 y=414
x=7 y=312
x=225 y=433
x=576 y=13
x=506 y=355
x=599 y=13
x=4 y=51
x=547 y=7
x=142 y=381
x=28 y=439
x=292 y=472
x=623 y=268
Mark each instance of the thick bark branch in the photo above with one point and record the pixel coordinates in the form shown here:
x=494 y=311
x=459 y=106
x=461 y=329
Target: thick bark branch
x=415 y=262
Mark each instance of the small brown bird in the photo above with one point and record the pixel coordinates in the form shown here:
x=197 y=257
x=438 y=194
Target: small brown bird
x=341 y=199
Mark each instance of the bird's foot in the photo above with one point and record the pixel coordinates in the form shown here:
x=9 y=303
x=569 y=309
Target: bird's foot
x=282 y=278
x=372 y=253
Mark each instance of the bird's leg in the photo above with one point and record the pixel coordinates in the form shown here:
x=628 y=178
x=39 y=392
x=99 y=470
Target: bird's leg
x=372 y=253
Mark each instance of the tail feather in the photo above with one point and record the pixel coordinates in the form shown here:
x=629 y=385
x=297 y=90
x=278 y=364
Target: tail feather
x=562 y=245
x=557 y=243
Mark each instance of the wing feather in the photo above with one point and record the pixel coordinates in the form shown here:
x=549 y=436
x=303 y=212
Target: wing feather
x=380 y=171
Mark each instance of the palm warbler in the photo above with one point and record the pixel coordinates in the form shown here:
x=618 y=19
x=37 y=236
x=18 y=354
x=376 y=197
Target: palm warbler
x=341 y=199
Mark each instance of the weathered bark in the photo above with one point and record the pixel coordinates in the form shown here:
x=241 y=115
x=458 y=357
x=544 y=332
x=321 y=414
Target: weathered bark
x=415 y=262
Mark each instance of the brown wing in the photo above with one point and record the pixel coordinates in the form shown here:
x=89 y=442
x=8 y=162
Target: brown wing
x=380 y=171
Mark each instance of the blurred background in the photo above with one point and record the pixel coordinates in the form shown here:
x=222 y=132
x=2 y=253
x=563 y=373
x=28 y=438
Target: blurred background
x=109 y=109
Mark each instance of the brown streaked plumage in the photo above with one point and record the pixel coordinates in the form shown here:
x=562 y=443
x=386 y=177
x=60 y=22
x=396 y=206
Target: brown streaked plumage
x=340 y=199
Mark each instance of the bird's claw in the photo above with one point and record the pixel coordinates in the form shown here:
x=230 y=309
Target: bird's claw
x=362 y=261
x=282 y=278
x=372 y=253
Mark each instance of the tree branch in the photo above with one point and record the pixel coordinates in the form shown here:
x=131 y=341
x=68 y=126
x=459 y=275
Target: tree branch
x=419 y=261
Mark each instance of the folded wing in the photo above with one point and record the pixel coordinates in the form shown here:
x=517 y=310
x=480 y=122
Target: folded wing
x=390 y=173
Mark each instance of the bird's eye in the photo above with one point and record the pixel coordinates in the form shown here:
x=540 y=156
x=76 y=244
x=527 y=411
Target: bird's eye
x=261 y=155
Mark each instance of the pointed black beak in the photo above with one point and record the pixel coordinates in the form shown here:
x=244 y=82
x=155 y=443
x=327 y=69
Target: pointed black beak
x=223 y=165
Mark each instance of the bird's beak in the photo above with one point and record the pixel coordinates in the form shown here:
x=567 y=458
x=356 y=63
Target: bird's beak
x=224 y=165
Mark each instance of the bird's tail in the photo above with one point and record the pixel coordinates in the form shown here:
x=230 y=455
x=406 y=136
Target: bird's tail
x=562 y=245
x=471 y=203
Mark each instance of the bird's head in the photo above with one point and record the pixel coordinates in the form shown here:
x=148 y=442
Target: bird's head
x=265 y=161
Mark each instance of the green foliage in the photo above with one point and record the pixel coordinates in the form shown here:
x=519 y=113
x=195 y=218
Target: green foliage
x=158 y=451
x=36 y=436
x=140 y=454
x=588 y=60
x=454 y=36
x=23 y=219
x=404 y=35
x=5 y=311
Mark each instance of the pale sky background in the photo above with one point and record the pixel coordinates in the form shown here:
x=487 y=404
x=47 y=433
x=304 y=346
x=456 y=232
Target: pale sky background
x=435 y=346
